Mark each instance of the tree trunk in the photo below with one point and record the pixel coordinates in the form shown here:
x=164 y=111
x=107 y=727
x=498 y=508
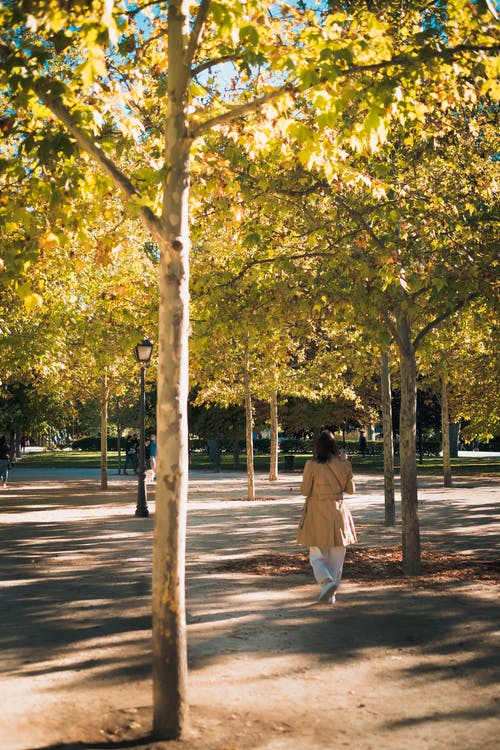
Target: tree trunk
x=170 y=708
x=454 y=433
x=390 y=506
x=119 y=436
x=104 y=434
x=445 y=433
x=249 y=428
x=407 y=434
x=273 y=465
x=119 y=446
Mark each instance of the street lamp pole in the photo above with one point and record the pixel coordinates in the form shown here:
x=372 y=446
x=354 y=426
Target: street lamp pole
x=143 y=353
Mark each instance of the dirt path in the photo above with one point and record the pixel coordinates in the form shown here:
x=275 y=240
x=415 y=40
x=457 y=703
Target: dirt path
x=389 y=666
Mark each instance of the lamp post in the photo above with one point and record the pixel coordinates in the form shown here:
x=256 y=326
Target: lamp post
x=143 y=353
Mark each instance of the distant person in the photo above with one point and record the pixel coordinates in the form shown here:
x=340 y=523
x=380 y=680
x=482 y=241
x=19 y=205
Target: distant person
x=326 y=526
x=147 y=457
x=396 y=443
x=362 y=444
x=4 y=460
x=214 y=452
x=152 y=457
x=24 y=443
x=131 y=446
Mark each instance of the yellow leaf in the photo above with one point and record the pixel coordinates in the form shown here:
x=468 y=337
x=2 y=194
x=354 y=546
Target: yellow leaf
x=493 y=87
x=48 y=240
x=32 y=301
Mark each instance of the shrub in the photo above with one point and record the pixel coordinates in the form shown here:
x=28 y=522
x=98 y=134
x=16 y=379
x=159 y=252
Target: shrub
x=93 y=443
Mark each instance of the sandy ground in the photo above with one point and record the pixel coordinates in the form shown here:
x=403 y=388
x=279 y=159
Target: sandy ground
x=389 y=666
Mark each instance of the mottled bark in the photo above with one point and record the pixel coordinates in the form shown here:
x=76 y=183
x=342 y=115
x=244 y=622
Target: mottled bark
x=273 y=464
x=249 y=428
x=445 y=432
x=454 y=433
x=389 y=502
x=104 y=434
x=407 y=434
x=170 y=708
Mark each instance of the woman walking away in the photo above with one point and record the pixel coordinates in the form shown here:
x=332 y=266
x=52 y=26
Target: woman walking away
x=326 y=526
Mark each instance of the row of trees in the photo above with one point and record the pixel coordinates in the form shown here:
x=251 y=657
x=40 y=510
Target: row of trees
x=341 y=161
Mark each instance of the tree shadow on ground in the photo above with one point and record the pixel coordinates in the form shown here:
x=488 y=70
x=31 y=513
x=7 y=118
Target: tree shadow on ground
x=84 y=578
x=80 y=582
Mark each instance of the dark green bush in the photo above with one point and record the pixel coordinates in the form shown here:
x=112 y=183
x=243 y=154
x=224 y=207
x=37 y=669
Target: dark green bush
x=94 y=444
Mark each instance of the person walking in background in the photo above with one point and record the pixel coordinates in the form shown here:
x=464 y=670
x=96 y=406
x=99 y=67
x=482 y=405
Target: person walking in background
x=326 y=525
x=147 y=458
x=4 y=460
x=152 y=457
x=214 y=452
x=131 y=447
x=362 y=444
x=396 y=443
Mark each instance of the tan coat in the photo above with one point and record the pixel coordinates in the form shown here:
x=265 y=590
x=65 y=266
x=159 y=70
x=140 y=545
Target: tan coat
x=325 y=521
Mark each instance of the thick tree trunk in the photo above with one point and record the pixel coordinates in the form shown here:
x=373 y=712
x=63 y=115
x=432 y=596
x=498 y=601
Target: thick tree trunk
x=390 y=505
x=104 y=434
x=445 y=432
x=407 y=433
x=273 y=465
x=249 y=428
x=170 y=707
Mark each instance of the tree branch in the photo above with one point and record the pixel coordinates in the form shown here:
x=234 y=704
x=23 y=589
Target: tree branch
x=211 y=63
x=133 y=11
x=85 y=143
x=392 y=328
x=447 y=53
x=238 y=111
x=197 y=31
x=359 y=218
x=439 y=319
x=276 y=258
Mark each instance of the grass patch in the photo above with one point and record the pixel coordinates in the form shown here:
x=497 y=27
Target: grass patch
x=68 y=460
x=431 y=465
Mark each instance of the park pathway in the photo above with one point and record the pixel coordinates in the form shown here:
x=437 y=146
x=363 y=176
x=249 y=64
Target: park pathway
x=392 y=665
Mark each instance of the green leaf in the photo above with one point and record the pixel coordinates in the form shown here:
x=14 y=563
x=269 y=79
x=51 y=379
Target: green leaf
x=249 y=36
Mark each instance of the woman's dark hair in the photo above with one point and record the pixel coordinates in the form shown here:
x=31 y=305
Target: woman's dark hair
x=326 y=447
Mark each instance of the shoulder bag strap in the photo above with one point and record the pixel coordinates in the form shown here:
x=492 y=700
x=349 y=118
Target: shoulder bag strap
x=340 y=487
